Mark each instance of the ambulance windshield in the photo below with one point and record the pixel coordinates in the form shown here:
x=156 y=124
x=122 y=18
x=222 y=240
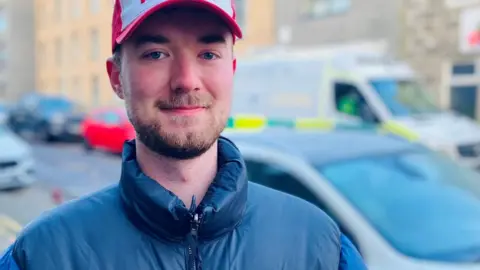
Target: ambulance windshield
x=404 y=97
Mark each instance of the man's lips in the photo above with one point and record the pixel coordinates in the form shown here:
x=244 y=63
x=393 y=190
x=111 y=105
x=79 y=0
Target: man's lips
x=184 y=110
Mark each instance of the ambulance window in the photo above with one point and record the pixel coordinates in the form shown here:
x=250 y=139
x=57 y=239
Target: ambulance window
x=350 y=101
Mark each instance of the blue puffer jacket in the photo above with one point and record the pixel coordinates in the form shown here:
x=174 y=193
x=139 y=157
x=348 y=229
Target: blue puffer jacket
x=137 y=224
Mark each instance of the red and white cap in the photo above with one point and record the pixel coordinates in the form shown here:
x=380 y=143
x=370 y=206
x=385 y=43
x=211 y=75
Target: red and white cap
x=129 y=14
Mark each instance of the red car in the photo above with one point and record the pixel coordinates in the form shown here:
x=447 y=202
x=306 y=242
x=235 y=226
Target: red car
x=107 y=129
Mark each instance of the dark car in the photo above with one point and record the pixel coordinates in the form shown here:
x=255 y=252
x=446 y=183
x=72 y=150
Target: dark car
x=47 y=118
x=4 y=110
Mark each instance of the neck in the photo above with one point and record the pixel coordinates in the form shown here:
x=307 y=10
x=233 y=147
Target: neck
x=184 y=178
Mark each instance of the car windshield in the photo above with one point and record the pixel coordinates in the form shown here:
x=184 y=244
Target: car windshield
x=423 y=203
x=49 y=104
x=404 y=97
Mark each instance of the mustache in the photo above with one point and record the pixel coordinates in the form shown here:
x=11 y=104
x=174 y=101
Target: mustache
x=185 y=100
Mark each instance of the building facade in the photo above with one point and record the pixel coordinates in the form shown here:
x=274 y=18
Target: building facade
x=258 y=22
x=73 y=41
x=72 y=44
x=441 y=40
x=17 y=60
x=328 y=22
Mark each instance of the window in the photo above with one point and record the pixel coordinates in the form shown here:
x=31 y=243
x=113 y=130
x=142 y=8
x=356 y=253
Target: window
x=404 y=97
x=278 y=179
x=463 y=99
x=94 y=45
x=75 y=48
x=98 y=116
x=3 y=19
x=94 y=6
x=419 y=200
x=58 y=51
x=463 y=69
x=349 y=101
x=75 y=8
x=274 y=177
x=111 y=118
x=320 y=8
x=95 y=91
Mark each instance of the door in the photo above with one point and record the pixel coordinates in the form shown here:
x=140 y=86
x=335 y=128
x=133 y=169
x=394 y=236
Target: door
x=464 y=100
x=279 y=179
x=93 y=132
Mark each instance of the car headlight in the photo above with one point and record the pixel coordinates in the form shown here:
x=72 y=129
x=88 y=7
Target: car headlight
x=449 y=151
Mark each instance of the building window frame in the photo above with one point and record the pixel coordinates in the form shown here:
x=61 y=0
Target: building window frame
x=76 y=8
x=95 y=6
x=325 y=8
x=75 y=47
x=94 y=44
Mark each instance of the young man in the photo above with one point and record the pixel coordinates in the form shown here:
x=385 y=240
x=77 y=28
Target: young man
x=183 y=200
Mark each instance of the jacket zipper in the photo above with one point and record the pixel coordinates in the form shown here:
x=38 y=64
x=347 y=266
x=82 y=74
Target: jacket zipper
x=194 y=260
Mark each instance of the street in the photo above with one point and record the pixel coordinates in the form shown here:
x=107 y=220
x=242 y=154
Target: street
x=69 y=167
x=60 y=166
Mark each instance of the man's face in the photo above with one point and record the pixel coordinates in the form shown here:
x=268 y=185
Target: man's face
x=176 y=77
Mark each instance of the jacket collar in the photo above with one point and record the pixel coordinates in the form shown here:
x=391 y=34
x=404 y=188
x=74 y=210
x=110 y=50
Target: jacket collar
x=160 y=213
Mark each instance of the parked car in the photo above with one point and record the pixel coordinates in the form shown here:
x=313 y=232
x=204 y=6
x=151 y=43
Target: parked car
x=16 y=161
x=403 y=205
x=47 y=118
x=107 y=129
x=4 y=111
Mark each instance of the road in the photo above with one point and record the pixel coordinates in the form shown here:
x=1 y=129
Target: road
x=69 y=167
x=60 y=166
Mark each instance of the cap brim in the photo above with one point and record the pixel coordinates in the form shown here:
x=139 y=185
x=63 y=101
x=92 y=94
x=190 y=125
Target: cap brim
x=231 y=23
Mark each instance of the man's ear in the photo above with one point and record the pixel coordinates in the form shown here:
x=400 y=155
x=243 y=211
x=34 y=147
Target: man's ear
x=234 y=65
x=114 y=74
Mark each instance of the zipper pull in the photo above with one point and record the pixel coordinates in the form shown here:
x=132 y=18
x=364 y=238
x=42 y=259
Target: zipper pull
x=194 y=226
x=194 y=259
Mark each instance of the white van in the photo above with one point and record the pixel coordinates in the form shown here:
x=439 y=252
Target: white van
x=354 y=87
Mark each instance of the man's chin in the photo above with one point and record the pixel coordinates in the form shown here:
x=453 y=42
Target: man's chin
x=178 y=145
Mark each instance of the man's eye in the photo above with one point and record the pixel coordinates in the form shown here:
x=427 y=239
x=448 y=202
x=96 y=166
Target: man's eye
x=155 y=55
x=209 y=56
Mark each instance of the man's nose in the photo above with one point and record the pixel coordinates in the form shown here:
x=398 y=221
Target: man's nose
x=184 y=75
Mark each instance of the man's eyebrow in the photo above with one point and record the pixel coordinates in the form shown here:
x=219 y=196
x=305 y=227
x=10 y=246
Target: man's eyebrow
x=213 y=38
x=145 y=39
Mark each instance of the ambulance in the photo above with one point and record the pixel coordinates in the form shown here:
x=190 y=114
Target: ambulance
x=330 y=89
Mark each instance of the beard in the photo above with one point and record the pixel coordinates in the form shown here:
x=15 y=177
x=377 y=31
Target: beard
x=177 y=145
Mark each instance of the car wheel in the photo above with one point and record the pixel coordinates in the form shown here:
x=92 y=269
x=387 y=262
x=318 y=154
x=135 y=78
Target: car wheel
x=43 y=135
x=87 y=146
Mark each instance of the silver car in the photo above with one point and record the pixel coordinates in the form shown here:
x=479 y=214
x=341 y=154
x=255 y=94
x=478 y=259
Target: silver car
x=16 y=161
x=403 y=206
